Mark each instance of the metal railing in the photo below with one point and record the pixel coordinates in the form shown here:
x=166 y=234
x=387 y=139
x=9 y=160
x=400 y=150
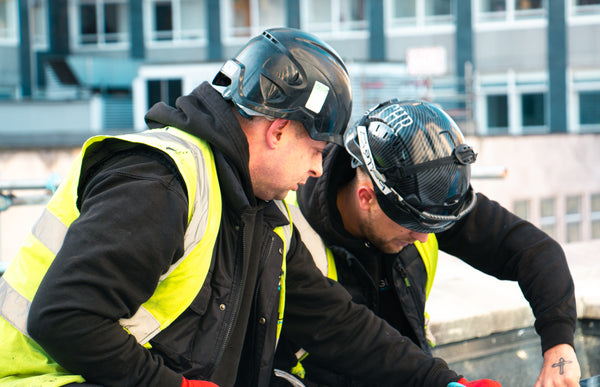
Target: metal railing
x=8 y=188
x=12 y=193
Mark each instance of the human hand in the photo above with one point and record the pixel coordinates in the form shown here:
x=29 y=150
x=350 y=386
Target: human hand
x=197 y=383
x=475 y=383
x=560 y=368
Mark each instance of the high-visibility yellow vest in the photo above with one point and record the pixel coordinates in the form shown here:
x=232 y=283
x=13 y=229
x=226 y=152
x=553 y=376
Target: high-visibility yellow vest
x=323 y=256
x=325 y=261
x=24 y=362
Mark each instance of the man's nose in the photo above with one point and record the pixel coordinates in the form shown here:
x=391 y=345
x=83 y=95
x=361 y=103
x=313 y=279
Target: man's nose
x=316 y=169
x=420 y=236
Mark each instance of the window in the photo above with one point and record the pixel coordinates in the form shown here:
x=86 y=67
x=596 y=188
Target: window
x=421 y=12
x=586 y=7
x=404 y=8
x=38 y=19
x=334 y=15
x=532 y=109
x=510 y=10
x=521 y=209
x=589 y=114
x=548 y=216
x=102 y=21
x=595 y=215
x=177 y=20
x=165 y=90
x=251 y=17
x=497 y=113
x=492 y=5
x=8 y=27
x=573 y=218
x=438 y=7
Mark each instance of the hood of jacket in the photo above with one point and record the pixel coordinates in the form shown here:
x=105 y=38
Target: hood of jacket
x=317 y=199
x=205 y=114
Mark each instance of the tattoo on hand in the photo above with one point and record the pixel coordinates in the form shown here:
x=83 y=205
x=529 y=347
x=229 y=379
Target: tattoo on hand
x=561 y=365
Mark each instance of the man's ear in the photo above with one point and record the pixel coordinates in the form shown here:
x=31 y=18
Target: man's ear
x=275 y=132
x=366 y=196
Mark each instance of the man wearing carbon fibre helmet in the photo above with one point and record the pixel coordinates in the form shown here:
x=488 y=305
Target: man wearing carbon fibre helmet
x=399 y=191
x=166 y=259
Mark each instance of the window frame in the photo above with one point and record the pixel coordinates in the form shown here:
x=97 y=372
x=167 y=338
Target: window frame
x=102 y=43
x=334 y=27
x=573 y=218
x=11 y=37
x=549 y=222
x=511 y=16
x=179 y=36
x=255 y=27
x=421 y=22
x=595 y=215
x=514 y=85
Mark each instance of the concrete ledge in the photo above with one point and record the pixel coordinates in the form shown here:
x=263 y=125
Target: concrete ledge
x=465 y=303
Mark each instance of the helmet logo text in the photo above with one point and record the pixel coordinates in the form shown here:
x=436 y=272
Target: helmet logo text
x=400 y=119
x=365 y=150
x=395 y=117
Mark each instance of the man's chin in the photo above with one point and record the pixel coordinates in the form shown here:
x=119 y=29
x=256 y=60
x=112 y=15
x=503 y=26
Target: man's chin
x=393 y=248
x=281 y=196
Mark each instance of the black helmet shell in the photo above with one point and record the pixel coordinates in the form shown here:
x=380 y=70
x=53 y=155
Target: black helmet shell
x=291 y=74
x=419 y=164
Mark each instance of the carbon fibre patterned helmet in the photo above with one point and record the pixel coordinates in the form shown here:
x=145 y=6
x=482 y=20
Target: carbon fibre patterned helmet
x=418 y=162
x=291 y=74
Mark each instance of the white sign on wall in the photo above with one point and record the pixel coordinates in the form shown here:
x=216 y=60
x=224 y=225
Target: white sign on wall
x=426 y=61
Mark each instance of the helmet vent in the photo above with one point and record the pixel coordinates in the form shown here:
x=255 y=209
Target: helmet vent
x=270 y=37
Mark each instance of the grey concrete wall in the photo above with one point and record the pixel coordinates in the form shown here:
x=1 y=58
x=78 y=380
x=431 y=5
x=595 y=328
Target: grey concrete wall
x=542 y=166
x=51 y=116
x=517 y=49
x=538 y=167
x=584 y=51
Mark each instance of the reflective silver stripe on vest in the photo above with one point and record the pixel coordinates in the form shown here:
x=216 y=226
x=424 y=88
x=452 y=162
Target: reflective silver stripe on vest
x=143 y=325
x=50 y=231
x=199 y=221
x=311 y=239
x=13 y=306
x=287 y=229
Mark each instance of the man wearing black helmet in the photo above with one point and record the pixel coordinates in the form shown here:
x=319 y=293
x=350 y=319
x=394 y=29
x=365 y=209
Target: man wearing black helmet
x=398 y=192
x=166 y=257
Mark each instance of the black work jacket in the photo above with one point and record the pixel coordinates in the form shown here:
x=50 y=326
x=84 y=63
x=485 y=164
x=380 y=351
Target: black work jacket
x=133 y=216
x=489 y=238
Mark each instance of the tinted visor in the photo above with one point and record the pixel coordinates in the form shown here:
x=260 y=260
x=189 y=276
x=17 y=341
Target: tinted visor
x=426 y=220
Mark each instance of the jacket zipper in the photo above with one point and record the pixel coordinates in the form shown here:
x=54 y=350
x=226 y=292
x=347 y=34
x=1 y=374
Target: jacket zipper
x=238 y=284
x=404 y=276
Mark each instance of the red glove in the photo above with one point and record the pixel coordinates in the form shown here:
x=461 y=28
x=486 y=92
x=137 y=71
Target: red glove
x=479 y=383
x=197 y=383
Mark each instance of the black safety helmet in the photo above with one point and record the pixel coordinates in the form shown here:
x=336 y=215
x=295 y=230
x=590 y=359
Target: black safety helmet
x=418 y=162
x=291 y=74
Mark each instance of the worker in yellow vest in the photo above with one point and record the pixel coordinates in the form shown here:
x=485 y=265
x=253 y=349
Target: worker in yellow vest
x=167 y=258
x=399 y=191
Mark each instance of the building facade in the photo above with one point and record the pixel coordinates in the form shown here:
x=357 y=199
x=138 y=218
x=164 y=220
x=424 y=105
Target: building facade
x=509 y=66
x=513 y=73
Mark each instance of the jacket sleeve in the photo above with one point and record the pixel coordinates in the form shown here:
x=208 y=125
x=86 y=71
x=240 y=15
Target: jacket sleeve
x=321 y=318
x=495 y=241
x=133 y=217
